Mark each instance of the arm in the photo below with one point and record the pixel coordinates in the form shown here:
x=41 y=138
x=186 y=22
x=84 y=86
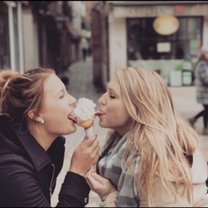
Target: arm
x=75 y=185
x=74 y=191
x=21 y=187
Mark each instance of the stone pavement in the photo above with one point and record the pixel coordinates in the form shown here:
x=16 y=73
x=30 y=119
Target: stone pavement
x=80 y=78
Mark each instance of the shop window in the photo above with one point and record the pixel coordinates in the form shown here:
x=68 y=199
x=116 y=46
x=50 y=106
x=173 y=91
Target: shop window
x=144 y=43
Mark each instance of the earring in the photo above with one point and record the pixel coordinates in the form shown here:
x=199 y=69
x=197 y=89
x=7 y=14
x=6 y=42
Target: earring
x=40 y=120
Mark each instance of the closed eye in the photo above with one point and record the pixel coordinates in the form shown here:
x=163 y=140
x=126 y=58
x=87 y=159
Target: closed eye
x=61 y=96
x=112 y=96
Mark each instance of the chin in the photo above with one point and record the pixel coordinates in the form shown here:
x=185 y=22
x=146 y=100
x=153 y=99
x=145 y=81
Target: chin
x=71 y=130
x=102 y=124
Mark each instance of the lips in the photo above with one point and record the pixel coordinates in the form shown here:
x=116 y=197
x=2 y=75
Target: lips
x=73 y=119
x=99 y=113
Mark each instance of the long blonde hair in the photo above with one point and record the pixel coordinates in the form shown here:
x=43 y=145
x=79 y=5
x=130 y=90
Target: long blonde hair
x=158 y=134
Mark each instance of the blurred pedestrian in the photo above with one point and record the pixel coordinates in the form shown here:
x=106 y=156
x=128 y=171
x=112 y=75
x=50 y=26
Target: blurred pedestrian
x=152 y=157
x=35 y=111
x=84 y=48
x=201 y=82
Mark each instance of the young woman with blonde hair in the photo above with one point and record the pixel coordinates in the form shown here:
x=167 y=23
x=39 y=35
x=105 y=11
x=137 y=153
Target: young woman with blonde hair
x=36 y=110
x=152 y=158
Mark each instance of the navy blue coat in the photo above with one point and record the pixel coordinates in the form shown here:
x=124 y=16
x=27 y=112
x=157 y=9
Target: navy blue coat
x=28 y=173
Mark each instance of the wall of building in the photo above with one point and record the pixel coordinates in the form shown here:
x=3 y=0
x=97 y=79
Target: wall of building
x=30 y=40
x=117 y=43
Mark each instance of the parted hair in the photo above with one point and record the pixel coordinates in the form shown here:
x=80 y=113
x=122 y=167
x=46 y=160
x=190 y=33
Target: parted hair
x=21 y=92
x=158 y=135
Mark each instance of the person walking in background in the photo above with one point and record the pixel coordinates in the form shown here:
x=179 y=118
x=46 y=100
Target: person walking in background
x=152 y=157
x=84 y=48
x=35 y=111
x=201 y=82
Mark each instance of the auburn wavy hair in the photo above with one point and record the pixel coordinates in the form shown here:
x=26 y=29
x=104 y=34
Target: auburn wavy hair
x=20 y=93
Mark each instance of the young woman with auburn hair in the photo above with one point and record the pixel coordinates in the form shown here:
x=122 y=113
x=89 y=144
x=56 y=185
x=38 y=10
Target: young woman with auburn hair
x=36 y=110
x=152 y=157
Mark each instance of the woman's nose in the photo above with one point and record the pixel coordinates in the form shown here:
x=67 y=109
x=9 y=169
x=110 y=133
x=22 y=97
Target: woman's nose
x=72 y=101
x=102 y=100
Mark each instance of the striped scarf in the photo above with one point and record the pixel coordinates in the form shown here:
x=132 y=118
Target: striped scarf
x=110 y=166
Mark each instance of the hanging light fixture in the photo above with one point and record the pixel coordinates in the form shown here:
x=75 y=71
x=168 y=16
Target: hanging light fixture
x=166 y=25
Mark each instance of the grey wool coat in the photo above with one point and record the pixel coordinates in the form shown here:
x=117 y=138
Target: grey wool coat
x=201 y=82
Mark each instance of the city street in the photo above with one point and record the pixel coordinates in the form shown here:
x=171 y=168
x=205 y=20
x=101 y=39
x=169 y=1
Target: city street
x=85 y=42
x=80 y=76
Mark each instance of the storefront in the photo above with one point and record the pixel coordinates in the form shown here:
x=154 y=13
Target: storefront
x=135 y=38
x=164 y=53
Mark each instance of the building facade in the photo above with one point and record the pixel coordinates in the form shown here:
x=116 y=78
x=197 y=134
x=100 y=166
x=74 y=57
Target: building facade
x=133 y=39
x=40 y=33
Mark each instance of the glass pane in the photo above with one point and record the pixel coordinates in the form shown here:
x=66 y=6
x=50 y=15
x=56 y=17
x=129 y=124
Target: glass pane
x=163 y=53
x=143 y=41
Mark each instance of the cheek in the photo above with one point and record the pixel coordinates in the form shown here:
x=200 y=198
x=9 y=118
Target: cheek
x=115 y=117
x=56 y=110
x=57 y=121
x=55 y=116
x=60 y=125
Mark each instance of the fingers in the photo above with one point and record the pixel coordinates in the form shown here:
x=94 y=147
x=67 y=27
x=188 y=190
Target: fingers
x=92 y=145
x=93 y=169
x=99 y=178
x=90 y=140
x=98 y=183
x=94 y=177
x=95 y=154
x=93 y=183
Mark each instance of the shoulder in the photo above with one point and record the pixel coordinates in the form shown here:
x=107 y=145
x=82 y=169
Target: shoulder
x=20 y=185
x=14 y=173
x=14 y=163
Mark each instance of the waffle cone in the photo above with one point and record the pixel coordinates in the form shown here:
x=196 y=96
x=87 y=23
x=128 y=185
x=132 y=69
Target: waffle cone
x=87 y=123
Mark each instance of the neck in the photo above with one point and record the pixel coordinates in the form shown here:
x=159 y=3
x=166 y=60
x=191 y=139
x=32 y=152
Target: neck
x=123 y=129
x=41 y=136
x=121 y=132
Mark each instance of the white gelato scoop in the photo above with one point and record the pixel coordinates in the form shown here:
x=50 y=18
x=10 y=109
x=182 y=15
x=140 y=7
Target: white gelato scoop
x=85 y=111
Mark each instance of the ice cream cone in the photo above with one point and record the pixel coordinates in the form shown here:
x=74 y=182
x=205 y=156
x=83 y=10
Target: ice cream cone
x=87 y=123
x=88 y=126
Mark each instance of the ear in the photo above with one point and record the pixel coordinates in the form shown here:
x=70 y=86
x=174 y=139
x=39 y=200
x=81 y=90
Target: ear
x=31 y=114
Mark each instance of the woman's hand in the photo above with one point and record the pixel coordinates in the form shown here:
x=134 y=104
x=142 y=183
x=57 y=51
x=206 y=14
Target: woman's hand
x=84 y=156
x=99 y=184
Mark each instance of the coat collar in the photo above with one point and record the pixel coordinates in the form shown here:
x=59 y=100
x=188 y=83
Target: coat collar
x=37 y=154
x=20 y=137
